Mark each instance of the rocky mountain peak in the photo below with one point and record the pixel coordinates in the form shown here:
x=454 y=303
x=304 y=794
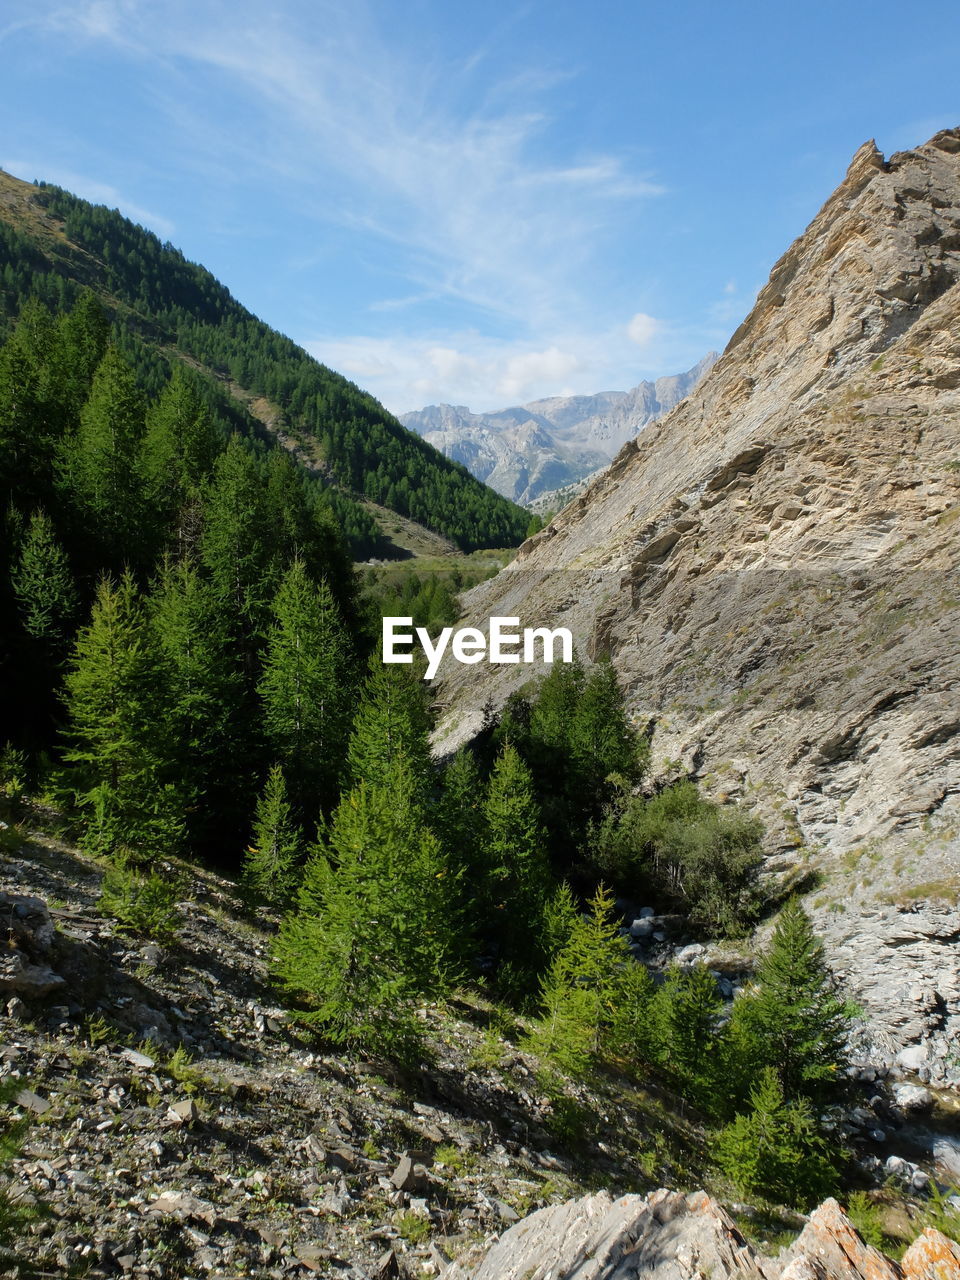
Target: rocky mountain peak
x=527 y=452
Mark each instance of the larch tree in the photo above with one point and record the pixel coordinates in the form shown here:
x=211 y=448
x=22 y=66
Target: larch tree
x=306 y=688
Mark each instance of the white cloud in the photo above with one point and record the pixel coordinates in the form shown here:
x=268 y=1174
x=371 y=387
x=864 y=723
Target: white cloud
x=642 y=329
x=468 y=368
x=537 y=369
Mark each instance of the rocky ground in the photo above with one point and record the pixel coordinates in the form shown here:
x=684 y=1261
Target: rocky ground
x=184 y=1125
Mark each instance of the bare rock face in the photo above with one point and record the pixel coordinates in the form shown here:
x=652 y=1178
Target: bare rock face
x=932 y=1256
x=669 y=1236
x=665 y=1235
x=830 y=1248
x=774 y=570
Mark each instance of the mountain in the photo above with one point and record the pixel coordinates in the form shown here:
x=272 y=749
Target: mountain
x=773 y=570
x=169 y=310
x=530 y=450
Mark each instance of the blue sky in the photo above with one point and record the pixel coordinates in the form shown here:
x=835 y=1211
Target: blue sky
x=476 y=203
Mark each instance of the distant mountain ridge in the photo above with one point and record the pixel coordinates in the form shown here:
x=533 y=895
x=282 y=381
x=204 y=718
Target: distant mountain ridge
x=526 y=451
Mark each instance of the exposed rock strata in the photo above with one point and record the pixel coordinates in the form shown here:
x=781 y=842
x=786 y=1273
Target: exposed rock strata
x=669 y=1236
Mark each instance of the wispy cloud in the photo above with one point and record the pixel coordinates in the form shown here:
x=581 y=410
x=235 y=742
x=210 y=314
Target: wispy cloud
x=386 y=139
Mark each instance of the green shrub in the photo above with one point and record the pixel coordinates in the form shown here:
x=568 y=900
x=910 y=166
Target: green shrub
x=14 y=1213
x=688 y=852
x=141 y=902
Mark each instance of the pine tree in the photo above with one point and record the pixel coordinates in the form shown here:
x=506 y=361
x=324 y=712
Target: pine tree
x=271 y=867
x=28 y=428
x=594 y=993
x=178 y=451
x=113 y=694
x=684 y=1016
x=238 y=545
x=517 y=871
x=44 y=586
x=460 y=815
x=213 y=745
x=775 y=1149
x=392 y=721
x=80 y=342
x=371 y=930
x=99 y=464
x=602 y=740
x=793 y=1020
x=306 y=689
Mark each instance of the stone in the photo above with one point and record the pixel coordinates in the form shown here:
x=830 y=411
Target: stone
x=184 y=1112
x=30 y=981
x=409 y=1176
x=932 y=1256
x=137 y=1059
x=912 y=1098
x=32 y=1102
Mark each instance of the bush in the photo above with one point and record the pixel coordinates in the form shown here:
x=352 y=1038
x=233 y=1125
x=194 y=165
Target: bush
x=775 y=1150
x=141 y=902
x=696 y=855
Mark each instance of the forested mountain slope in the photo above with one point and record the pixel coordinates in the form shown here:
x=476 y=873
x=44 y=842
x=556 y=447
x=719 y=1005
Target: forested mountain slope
x=53 y=244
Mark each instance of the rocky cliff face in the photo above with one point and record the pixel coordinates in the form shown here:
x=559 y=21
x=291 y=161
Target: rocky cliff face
x=531 y=450
x=773 y=569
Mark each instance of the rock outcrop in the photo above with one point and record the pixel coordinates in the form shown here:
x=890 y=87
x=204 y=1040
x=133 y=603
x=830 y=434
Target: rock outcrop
x=669 y=1236
x=529 y=451
x=27 y=936
x=774 y=570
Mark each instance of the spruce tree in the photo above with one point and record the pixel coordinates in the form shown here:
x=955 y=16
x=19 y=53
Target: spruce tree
x=594 y=993
x=684 y=1014
x=272 y=864
x=371 y=930
x=209 y=723
x=79 y=344
x=117 y=727
x=793 y=1020
x=602 y=740
x=461 y=820
x=99 y=465
x=29 y=427
x=306 y=687
x=179 y=447
x=238 y=545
